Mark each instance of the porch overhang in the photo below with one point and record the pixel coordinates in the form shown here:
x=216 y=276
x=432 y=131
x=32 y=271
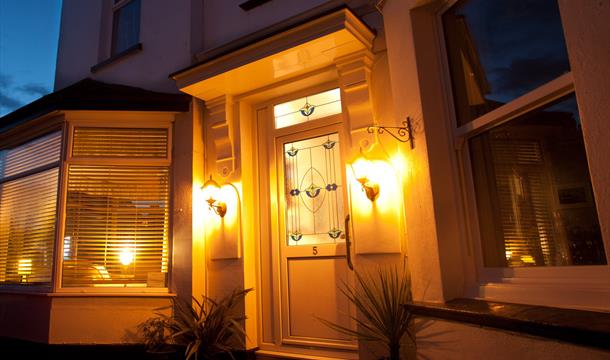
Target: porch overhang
x=305 y=48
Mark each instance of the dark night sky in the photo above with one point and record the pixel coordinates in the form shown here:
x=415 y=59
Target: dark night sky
x=29 y=32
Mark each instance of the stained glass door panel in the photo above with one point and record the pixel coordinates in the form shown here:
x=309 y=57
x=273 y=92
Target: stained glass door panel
x=313 y=188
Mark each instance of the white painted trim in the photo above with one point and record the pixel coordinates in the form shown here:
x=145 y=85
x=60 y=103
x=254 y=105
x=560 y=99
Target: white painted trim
x=109 y=119
x=556 y=293
x=536 y=98
x=578 y=287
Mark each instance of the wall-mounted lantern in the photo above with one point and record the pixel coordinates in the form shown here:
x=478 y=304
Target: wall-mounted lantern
x=211 y=192
x=362 y=169
x=369 y=169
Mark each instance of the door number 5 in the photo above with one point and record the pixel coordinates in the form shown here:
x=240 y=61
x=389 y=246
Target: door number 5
x=315 y=250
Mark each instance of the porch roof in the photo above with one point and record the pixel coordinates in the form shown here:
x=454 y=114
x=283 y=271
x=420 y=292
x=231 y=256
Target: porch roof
x=281 y=52
x=89 y=94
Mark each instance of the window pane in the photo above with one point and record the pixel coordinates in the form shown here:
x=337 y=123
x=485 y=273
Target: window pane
x=31 y=155
x=499 y=50
x=534 y=195
x=116 y=232
x=27 y=227
x=28 y=205
x=134 y=143
x=313 y=186
x=308 y=108
x=126 y=27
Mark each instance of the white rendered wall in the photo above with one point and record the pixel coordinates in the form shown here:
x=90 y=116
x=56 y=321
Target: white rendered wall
x=225 y=21
x=166 y=30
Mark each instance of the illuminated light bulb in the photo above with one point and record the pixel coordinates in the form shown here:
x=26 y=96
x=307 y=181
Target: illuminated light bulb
x=126 y=256
x=212 y=194
x=362 y=169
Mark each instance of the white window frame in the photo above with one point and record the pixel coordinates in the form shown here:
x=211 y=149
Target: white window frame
x=578 y=286
x=47 y=287
x=110 y=119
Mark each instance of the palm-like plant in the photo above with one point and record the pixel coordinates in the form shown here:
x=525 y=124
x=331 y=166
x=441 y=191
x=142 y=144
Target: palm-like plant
x=380 y=299
x=208 y=328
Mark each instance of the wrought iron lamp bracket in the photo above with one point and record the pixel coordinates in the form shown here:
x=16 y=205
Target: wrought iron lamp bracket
x=402 y=133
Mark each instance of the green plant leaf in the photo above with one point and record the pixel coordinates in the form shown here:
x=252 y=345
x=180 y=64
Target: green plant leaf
x=205 y=327
x=379 y=299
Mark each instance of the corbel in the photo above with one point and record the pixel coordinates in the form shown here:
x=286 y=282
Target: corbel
x=354 y=72
x=220 y=144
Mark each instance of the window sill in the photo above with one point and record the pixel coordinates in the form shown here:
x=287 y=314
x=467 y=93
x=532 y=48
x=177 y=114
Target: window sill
x=588 y=328
x=125 y=53
x=47 y=292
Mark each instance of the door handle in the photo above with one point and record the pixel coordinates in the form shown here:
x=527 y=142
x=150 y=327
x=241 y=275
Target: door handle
x=348 y=244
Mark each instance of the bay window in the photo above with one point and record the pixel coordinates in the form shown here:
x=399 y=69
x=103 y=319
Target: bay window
x=525 y=161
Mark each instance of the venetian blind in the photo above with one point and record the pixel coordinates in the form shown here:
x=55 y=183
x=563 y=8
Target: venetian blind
x=117 y=216
x=28 y=201
x=525 y=204
x=118 y=142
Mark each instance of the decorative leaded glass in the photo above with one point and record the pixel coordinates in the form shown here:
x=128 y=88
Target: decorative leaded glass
x=313 y=185
x=307 y=108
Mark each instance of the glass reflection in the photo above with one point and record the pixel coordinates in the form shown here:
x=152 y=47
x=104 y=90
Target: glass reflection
x=534 y=195
x=499 y=50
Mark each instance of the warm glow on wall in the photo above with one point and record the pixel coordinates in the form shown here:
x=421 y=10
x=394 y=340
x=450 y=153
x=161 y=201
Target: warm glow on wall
x=223 y=233
x=400 y=164
x=200 y=207
x=375 y=179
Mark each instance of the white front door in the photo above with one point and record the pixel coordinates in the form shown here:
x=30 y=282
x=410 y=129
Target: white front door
x=307 y=239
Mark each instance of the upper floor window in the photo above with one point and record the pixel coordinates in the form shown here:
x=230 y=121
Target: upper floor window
x=125 y=25
x=516 y=108
x=29 y=176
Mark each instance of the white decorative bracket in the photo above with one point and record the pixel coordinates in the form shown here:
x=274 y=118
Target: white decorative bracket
x=219 y=137
x=375 y=231
x=355 y=82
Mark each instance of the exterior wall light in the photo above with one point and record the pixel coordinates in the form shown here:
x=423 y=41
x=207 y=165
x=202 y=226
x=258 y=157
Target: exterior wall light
x=369 y=171
x=211 y=191
x=362 y=168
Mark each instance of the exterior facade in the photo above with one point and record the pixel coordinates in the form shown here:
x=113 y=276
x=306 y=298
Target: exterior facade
x=500 y=194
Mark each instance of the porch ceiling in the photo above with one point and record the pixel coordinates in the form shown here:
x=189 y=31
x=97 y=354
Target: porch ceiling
x=300 y=49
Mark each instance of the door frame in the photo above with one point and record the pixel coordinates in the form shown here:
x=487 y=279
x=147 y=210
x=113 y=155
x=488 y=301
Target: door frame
x=273 y=317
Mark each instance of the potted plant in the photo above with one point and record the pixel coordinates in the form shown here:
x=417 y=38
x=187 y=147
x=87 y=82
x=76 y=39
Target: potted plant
x=157 y=342
x=209 y=329
x=379 y=298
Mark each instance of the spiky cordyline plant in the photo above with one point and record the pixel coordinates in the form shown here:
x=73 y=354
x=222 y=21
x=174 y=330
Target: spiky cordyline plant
x=380 y=299
x=208 y=328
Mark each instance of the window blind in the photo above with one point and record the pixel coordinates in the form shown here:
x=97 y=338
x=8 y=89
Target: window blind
x=30 y=156
x=28 y=201
x=116 y=231
x=525 y=203
x=118 y=142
